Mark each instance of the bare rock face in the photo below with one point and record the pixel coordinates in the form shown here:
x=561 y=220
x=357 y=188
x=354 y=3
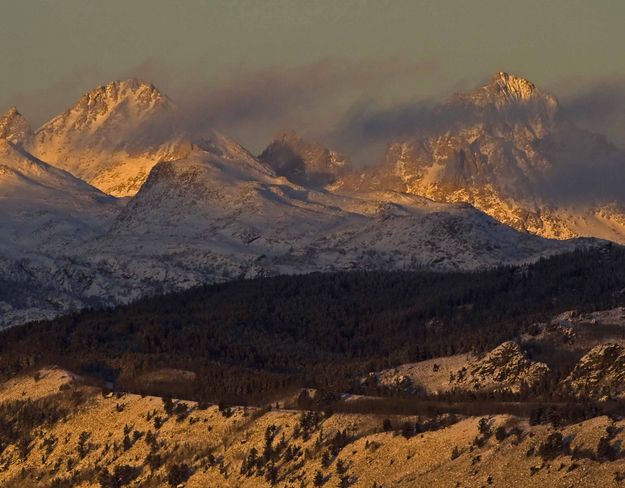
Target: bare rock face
x=505 y=89
x=302 y=162
x=505 y=368
x=600 y=374
x=503 y=148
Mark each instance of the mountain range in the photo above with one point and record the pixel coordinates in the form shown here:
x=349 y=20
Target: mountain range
x=110 y=201
x=508 y=149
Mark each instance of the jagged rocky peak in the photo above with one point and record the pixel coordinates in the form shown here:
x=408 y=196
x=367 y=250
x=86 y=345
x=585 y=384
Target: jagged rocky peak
x=502 y=148
x=512 y=86
x=112 y=136
x=303 y=162
x=600 y=374
x=142 y=94
x=505 y=89
x=118 y=104
x=14 y=127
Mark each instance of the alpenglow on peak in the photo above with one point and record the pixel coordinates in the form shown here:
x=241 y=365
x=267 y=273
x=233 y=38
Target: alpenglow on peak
x=512 y=86
x=14 y=127
x=143 y=95
x=505 y=89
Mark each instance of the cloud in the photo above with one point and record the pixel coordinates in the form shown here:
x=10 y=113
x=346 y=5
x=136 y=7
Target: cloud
x=592 y=169
x=586 y=167
x=346 y=106
x=251 y=106
x=599 y=107
x=366 y=128
x=38 y=105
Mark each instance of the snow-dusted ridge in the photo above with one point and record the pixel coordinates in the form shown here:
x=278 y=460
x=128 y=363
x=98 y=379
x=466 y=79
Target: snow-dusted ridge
x=302 y=162
x=504 y=147
x=103 y=139
x=14 y=127
x=203 y=210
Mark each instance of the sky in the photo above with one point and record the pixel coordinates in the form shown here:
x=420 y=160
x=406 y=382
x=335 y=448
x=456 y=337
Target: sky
x=308 y=63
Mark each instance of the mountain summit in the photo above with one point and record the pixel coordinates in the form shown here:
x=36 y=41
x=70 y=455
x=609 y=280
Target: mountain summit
x=204 y=209
x=14 y=127
x=303 y=162
x=106 y=138
x=506 y=149
x=106 y=110
x=513 y=86
x=507 y=87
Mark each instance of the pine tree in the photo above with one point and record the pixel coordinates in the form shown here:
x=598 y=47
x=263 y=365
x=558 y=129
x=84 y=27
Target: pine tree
x=318 y=480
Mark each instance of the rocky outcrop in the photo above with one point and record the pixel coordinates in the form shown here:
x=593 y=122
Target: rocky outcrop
x=600 y=374
x=505 y=368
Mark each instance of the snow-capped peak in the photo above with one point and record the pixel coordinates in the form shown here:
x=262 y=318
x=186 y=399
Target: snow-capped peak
x=143 y=95
x=111 y=137
x=303 y=162
x=506 y=148
x=505 y=90
x=119 y=104
x=14 y=127
x=21 y=170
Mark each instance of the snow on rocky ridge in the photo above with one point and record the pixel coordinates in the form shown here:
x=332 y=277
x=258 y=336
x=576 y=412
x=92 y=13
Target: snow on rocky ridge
x=205 y=210
x=303 y=162
x=14 y=127
x=498 y=147
x=102 y=139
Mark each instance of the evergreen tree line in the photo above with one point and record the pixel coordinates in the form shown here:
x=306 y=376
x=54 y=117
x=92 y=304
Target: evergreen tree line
x=251 y=339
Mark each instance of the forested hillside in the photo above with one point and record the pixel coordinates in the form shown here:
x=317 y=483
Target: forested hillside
x=249 y=339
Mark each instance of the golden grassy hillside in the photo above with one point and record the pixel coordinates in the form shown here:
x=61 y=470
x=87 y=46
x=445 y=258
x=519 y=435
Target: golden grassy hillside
x=58 y=432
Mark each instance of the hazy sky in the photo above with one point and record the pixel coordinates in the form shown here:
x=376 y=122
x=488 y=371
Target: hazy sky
x=333 y=53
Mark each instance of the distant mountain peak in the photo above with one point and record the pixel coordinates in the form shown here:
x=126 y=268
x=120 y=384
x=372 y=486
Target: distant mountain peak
x=112 y=136
x=117 y=104
x=505 y=90
x=130 y=85
x=506 y=149
x=144 y=93
x=14 y=127
x=512 y=86
x=12 y=112
x=303 y=162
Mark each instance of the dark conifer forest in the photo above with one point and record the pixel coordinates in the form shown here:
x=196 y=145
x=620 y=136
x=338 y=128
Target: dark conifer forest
x=251 y=339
